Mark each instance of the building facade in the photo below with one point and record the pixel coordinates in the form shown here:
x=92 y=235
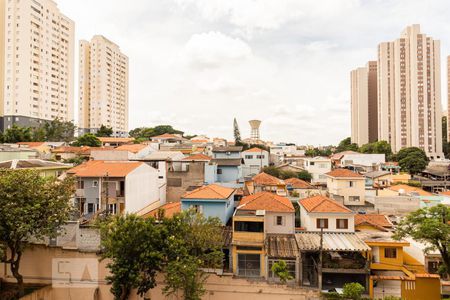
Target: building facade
x=409 y=92
x=103 y=86
x=36 y=63
x=364 y=104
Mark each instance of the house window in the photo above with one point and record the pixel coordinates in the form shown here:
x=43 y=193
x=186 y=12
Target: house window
x=90 y=208
x=260 y=156
x=95 y=183
x=80 y=184
x=322 y=223
x=354 y=198
x=279 y=220
x=342 y=223
x=112 y=208
x=350 y=183
x=249 y=157
x=219 y=171
x=196 y=207
x=390 y=252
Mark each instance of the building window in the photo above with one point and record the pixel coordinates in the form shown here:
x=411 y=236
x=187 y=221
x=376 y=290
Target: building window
x=219 y=171
x=260 y=156
x=342 y=223
x=197 y=208
x=390 y=252
x=80 y=184
x=279 y=220
x=249 y=226
x=354 y=198
x=350 y=183
x=249 y=157
x=95 y=183
x=322 y=223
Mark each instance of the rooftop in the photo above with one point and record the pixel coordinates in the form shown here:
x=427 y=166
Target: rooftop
x=77 y=150
x=198 y=157
x=266 y=179
x=297 y=183
x=255 y=149
x=212 y=191
x=167 y=136
x=339 y=155
x=343 y=173
x=31 y=163
x=379 y=221
x=322 y=204
x=404 y=188
x=266 y=201
x=109 y=139
x=376 y=174
x=163 y=155
x=227 y=162
x=227 y=149
x=331 y=242
x=100 y=168
x=170 y=209
x=133 y=148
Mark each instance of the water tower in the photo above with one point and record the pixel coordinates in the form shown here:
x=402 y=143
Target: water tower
x=255 y=124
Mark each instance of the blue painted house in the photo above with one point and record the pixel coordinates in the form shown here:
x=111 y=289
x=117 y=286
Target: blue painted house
x=229 y=164
x=211 y=200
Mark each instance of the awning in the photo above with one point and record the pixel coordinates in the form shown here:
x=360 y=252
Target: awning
x=281 y=246
x=309 y=241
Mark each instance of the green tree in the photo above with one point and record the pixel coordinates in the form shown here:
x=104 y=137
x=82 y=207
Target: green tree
x=379 y=147
x=78 y=160
x=38 y=134
x=318 y=152
x=412 y=160
x=133 y=246
x=281 y=271
x=237 y=133
x=353 y=291
x=17 y=134
x=346 y=145
x=193 y=242
x=431 y=226
x=148 y=132
x=288 y=174
x=304 y=175
x=274 y=171
x=87 y=139
x=30 y=206
x=59 y=131
x=104 y=131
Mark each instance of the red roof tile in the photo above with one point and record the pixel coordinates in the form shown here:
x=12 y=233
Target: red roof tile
x=297 y=183
x=409 y=189
x=343 y=173
x=266 y=179
x=133 y=148
x=198 y=157
x=100 y=168
x=255 y=149
x=212 y=191
x=170 y=209
x=322 y=204
x=379 y=221
x=266 y=201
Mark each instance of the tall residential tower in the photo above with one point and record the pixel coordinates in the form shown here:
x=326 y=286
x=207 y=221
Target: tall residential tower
x=103 y=86
x=36 y=63
x=409 y=92
x=364 y=104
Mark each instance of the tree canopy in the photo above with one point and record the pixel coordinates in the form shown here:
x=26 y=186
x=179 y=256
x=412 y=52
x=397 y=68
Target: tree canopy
x=236 y=133
x=276 y=172
x=59 y=131
x=30 y=206
x=412 y=160
x=104 y=131
x=431 y=226
x=379 y=147
x=148 y=132
x=87 y=139
x=318 y=152
x=346 y=145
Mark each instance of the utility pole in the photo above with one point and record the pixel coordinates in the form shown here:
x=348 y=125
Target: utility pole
x=107 y=194
x=320 y=259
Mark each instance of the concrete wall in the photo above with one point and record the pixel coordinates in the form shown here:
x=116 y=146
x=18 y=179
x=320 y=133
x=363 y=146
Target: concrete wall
x=309 y=221
x=341 y=187
x=270 y=225
x=220 y=155
x=194 y=177
x=229 y=173
x=222 y=209
x=395 y=205
x=141 y=188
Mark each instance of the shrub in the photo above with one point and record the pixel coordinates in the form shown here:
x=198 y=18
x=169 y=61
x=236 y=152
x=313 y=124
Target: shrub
x=353 y=291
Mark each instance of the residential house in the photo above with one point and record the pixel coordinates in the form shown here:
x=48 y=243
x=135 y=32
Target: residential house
x=168 y=210
x=14 y=151
x=362 y=162
x=403 y=190
x=279 y=152
x=264 y=182
x=320 y=212
x=168 y=139
x=346 y=187
x=257 y=216
x=115 y=187
x=124 y=152
x=255 y=159
x=373 y=222
x=41 y=147
x=115 y=141
x=336 y=158
x=318 y=167
x=69 y=152
x=378 y=179
x=302 y=189
x=46 y=168
x=229 y=164
x=211 y=200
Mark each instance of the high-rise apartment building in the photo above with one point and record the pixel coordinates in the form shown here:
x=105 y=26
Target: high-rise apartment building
x=448 y=99
x=36 y=63
x=364 y=104
x=409 y=92
x=103 y=86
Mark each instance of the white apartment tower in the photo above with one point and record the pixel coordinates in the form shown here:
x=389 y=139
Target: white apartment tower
x=409 y=92
x=36 y=63
x=364 y=104
x=103 y=86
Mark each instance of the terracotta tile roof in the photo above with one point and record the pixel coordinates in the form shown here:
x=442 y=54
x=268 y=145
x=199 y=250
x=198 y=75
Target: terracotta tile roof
x=133 y=148
x=446 y=193
x=99 y=168
x=339 y=155
x=167 y=136
x=199 y=157
x=212 y=191
x=409 y=189
x=379 y=221
x=199 y=141
x=170 y=209
x=322 y=204
x=31 y=144
x=77 y=150
x=297 y=183
x=266 y=179
x=115 y=140
x=255 y=149
x=344 y=173
x=266 y=201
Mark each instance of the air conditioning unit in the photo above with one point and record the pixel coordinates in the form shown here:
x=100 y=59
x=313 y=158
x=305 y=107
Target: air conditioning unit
x=260 y=212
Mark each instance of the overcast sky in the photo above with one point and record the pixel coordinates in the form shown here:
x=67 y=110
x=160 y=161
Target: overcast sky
x=197 y=64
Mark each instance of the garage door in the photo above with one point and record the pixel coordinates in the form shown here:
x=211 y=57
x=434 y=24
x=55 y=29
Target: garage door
x=249 y=265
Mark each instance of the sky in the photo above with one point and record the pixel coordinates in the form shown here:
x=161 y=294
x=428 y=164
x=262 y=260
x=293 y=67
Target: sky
x=198 y=64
